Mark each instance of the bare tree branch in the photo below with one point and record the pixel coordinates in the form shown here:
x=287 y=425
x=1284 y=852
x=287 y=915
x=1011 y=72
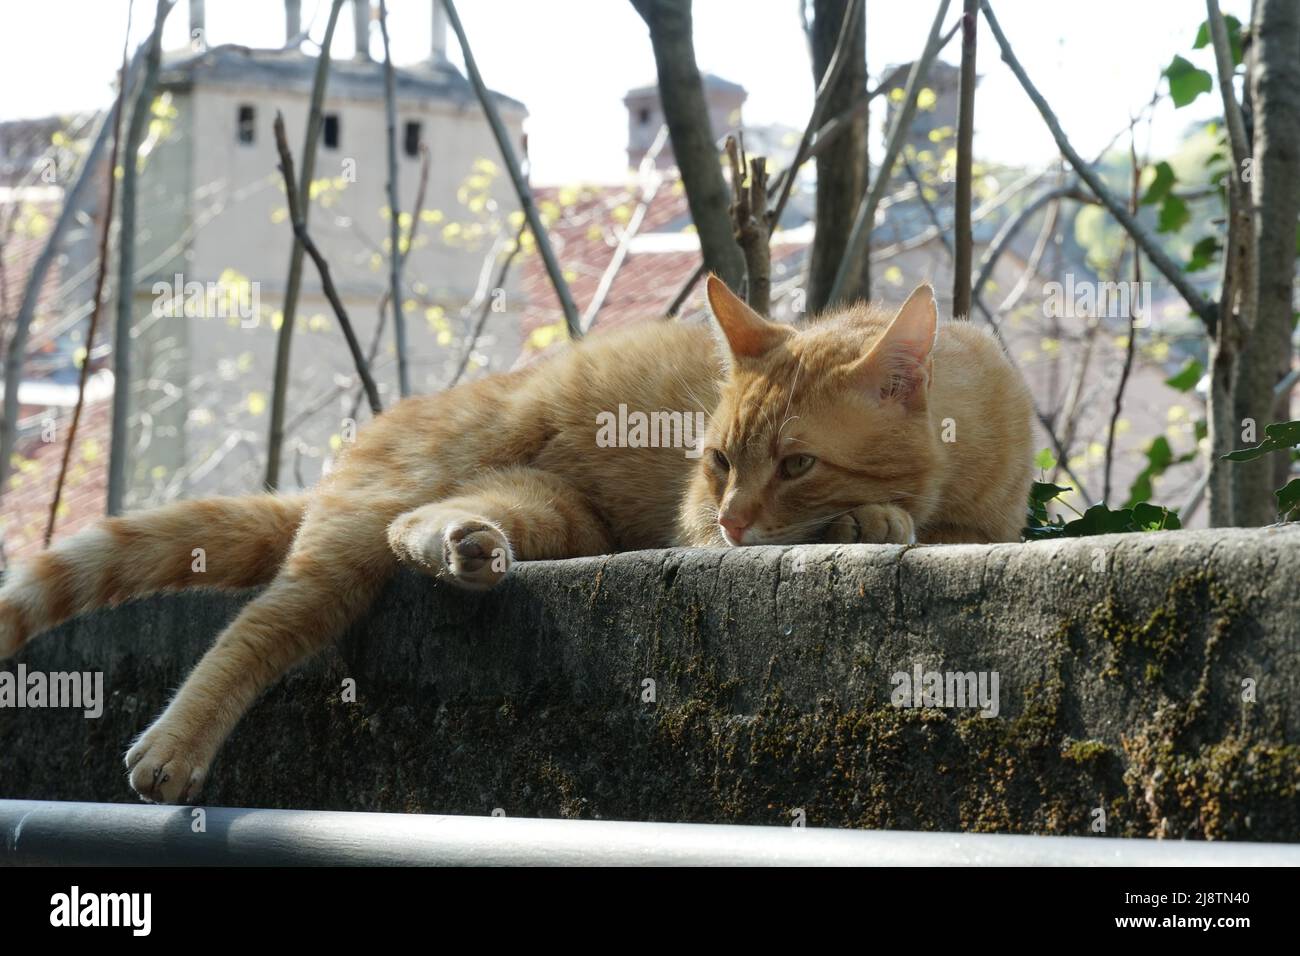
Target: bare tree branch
x=16 y=349
x=651 y=179
x=140 y=111
x=572 y=321
x=300 y=230
x=394 y=226
x=864 y=220
x=98 y=299
x=839 y=59
x=681 y=94
x=748 y=220
x=1130 y=347
x=485 y=308
x=1159 y=258
x=289 y=310
x=961 y=270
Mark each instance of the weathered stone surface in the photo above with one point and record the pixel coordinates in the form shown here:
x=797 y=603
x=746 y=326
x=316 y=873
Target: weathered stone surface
x=1121 y=663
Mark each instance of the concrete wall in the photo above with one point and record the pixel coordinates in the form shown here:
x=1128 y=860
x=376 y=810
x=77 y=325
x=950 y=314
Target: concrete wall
x=1155 y=678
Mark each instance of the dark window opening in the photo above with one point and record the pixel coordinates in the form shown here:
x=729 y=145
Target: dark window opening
x=331 y=130
x=643 y=115
x=247 y=124
x=411 y=139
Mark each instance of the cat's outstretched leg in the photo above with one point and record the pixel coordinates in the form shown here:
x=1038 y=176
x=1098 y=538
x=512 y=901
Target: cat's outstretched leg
x=210 y=542
x=338 y=563
x=514 y=514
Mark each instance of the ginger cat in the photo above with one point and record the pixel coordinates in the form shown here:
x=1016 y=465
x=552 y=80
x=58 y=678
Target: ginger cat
x=832 y=432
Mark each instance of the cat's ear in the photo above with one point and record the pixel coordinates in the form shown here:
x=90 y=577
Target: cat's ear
x=746 y=333
x=898 y=365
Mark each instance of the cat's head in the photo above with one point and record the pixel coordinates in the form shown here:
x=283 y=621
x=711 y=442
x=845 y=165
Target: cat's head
x=818 y=420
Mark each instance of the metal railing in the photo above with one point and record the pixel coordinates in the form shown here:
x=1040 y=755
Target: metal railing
x=34 y=832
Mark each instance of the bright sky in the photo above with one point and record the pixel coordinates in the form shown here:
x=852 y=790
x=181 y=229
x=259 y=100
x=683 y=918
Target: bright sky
x=571 y=61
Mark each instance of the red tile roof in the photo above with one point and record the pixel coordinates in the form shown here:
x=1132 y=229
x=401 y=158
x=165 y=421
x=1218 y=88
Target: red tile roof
x=25 y=507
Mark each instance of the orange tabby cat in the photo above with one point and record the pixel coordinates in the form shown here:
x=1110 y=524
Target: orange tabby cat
x=855 y=428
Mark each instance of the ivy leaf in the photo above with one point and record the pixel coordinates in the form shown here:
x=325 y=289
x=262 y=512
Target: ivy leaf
x=1278 y=436
x=1186 y=82
x=1043 y=491
x=1234 y=37
x=1173 y=214
x=1288 y=497
x=1163 y=182
x=1203 y=254
x=1099 y=520
x=1159 y=457
x=1185 y=380
x=1149 y=517
x=1045 y=460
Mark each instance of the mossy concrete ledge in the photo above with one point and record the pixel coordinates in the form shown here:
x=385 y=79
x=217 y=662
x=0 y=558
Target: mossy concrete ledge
x=1147 y=681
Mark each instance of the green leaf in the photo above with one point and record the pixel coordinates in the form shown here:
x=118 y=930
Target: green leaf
x=1203 y=254
x=1278 y=436
x=1159 y=457
x=1045 y=460
x=1288 y=497
x=1174 y=214
x=1045 y=491
x=1149 y=517
x=1234 y=37
x=1186 y=379
x=1099 y=520
x=1186 y=82
x=1160 y=186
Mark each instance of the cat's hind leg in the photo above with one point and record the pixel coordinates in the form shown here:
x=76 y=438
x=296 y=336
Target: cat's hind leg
x=514 y=514
x=338 y=564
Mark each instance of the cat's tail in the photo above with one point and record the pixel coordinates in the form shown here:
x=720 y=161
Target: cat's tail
x=210 y=542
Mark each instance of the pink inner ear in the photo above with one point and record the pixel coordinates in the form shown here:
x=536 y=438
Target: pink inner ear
x=897 y=372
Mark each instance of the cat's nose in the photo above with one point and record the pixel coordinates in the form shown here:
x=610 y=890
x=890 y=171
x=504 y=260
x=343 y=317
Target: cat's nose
x=732 y=529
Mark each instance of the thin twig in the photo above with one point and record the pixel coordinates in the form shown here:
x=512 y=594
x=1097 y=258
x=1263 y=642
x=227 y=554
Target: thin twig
x=651 y=179
x=864 y=219
x=327 y=283
x=119 y=427
x=963 y=242
x=100 y=274
x=684 y=292
x=572 y=321
x=382 y=318
x=749 y=223
x=293 y=284
x=472 y=339
x=394 y=226
x=1130 y=347
x=839 y=58
x=1231 y=108
x=1012 y=226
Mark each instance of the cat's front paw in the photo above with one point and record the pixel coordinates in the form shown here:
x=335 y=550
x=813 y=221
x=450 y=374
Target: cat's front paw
x=475 y=554
x=165 y=765
x=873 y=524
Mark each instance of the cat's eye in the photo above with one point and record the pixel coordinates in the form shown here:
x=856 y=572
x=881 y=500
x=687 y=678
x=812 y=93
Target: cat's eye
x=792 y=466
x=720 y=461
